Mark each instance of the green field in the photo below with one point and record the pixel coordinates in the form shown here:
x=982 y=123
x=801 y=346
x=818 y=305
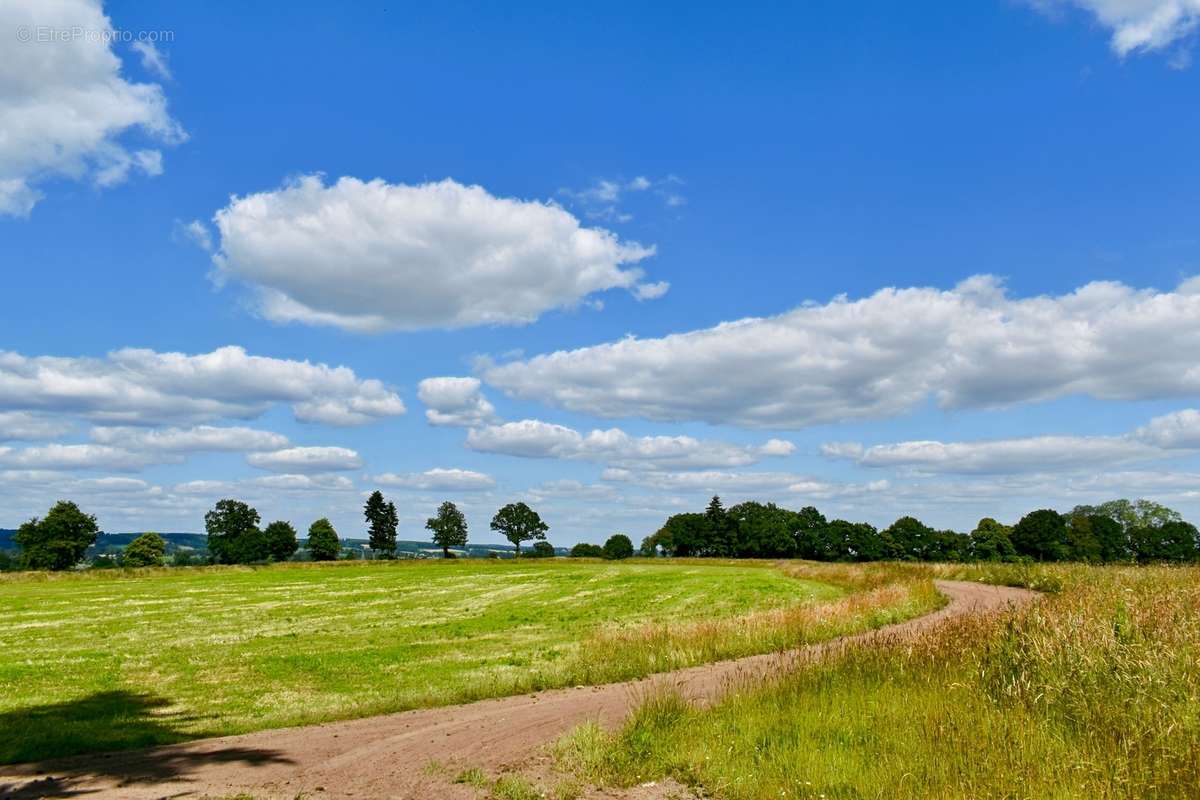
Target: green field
x=101 y=661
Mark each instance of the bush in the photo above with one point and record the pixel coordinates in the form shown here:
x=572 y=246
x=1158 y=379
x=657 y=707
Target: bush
x=585 y=550
x=618 y=547
x=542 y=550
x=183 y=558
x=323 y=544
x=145 y=551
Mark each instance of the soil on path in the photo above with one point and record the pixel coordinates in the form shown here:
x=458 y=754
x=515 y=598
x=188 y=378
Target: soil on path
x=389 y=756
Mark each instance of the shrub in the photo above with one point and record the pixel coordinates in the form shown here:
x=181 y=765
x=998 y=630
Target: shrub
x=585 y=550
x=542 y=550
x=145 y=551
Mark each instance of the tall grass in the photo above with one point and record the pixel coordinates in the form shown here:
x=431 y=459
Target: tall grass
x=1092 y=692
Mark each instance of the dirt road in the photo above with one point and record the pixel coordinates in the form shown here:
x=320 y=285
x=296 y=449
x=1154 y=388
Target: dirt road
x=387 y=756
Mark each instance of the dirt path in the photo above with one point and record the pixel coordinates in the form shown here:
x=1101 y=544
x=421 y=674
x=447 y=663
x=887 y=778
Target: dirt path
x=387 y=756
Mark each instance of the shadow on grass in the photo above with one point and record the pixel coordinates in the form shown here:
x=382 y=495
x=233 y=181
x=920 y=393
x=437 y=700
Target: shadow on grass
x=46 y=743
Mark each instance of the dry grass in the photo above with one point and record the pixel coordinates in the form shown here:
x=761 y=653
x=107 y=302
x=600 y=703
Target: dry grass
x=1094 y=692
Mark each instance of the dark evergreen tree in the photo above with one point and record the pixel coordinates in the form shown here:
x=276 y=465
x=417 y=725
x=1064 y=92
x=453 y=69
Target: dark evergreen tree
x=382 y=521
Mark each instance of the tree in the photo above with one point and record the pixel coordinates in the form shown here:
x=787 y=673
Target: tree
x=1041 y=535
x=618 y=547
x=684 y=535
x=518 y=523
x=908 y=539
x=1111 y=536
x=649 y=548
x=857 y=541
x=449 y=528
x=810 y=530
x=381 y=524
x=762 y=531
x=1082 y=544
x=145 y=551
x=722 y=530
x=1170 y=541
x=323 y=544
x=233 y=534
x=990 y=541
x=59 y=540
x=585 y=550
x=281 y=540
x=542 y=550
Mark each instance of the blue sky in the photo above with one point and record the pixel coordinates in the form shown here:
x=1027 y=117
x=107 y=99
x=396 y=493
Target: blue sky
x=352 y=202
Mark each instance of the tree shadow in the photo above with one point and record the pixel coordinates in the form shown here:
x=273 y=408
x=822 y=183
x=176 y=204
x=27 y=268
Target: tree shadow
x=45 y=745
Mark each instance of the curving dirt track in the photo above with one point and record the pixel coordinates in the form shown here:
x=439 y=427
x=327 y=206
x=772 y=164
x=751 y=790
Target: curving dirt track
x=386 y=756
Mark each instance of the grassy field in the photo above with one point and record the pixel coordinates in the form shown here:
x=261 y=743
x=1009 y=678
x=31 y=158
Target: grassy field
x=1093 y=692
x=98 y=661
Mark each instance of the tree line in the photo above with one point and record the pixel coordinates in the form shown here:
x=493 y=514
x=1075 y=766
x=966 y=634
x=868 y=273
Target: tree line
x=1117 y=531
x=60 y=540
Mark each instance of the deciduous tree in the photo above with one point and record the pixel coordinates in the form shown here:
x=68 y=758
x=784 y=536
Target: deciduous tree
x=518 y=523
x=59 y=540
x=449 y=528
x=281 y=540
x=146 y=550
x=323 y=544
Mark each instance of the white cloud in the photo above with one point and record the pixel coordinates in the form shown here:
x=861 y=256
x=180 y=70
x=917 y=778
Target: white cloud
x=64 y=107
x=456 y=402
x=153 y=60
x=292 y=482
x=76 y=457
x=651 y=291
x=306 y=459
x=195 y=232
x=143 y=386
x=463 y=480
x=884 y=355
x=1137 y=25
x=536 y=439
x=23 y=425
x=601 y=200
x=372 y=256
x=201 y=438
x=1166 y=436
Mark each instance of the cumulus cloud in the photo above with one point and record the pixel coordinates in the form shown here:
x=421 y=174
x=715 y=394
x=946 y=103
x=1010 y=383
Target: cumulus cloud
x=195 y=232
x=372 y=256
x=201 y=438
x=65 y=110
x=306 y=459
x=76 y=457
x=969 y=347
x=456 y=402
x=23 y=425
x=1136 y=25
x=462 y=480
x=143 y=386
x=536 y=439
x=292 y=482
x=1169 y=435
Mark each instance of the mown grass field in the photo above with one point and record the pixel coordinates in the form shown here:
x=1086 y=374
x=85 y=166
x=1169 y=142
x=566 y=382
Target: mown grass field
x=1093 y=692
x=100 y=661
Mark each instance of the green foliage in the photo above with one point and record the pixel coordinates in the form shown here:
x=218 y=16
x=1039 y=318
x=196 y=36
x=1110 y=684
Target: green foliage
x=585 y=550
x=649 y=548
x=449 y=527
x=182 y=558
x=281 y=540
x=145 y=551
x=762 y=531
x=59 y=540
x=233 y=534
x=991 y=541
x=1041 y=535
x=382 y=521
x=518 y=523
x=323 y=544
x=618 y=547
x=1170 y=541
x=542 y=550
